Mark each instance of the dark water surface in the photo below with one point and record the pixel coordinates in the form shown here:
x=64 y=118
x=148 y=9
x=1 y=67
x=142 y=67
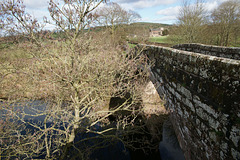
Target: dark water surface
x=115 y=150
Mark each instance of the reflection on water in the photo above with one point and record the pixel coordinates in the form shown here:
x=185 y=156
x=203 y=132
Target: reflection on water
x=113 y=149
x=35 y=113
x=30 y=109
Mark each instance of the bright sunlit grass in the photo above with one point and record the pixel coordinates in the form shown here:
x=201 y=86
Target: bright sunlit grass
x=162 y=39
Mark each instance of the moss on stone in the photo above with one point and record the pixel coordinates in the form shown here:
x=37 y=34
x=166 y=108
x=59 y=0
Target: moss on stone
x=220 y=134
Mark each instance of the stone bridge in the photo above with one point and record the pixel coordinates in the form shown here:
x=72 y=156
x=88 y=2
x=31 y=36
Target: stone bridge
x=201 y=87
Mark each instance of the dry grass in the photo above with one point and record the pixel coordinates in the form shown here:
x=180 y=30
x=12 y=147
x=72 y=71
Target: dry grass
x=18 y=67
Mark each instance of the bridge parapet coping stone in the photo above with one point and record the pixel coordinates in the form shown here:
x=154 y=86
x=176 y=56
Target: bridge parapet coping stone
x=202 y=92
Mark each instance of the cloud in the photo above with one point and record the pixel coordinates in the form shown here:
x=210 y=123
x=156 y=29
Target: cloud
x=39 y=14
x=168 y=15
x=211 y=5
x=138 y=4
x=171 y=11
x=36 y=4
x=37 y=8
x=126 y=1
x=50 y=27
x=163 y=19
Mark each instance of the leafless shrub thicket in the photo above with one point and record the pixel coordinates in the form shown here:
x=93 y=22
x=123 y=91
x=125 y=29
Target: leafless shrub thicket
x=61 y=89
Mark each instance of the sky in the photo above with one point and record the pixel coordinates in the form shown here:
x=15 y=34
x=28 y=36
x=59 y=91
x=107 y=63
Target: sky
x=161 y=11
x=156 y=11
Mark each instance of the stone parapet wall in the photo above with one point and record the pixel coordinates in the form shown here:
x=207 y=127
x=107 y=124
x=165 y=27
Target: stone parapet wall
x=202 y=92
x=226 y=52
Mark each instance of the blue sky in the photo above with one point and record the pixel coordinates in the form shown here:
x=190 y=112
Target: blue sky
x=156 y=11
x=161 y=11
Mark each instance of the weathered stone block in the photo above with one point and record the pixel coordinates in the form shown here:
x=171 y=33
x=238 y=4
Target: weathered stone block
x=202 y=94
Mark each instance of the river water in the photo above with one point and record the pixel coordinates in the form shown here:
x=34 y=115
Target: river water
x=168 y=147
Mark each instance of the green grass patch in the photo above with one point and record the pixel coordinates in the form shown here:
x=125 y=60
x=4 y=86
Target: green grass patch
x=6 y=45
x=131 y=45
x=162 y=39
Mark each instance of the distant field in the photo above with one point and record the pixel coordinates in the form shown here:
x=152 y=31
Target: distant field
x=162 y=39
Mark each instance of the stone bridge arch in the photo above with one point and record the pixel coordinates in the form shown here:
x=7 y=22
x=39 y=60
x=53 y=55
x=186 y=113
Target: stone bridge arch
x=201 y=86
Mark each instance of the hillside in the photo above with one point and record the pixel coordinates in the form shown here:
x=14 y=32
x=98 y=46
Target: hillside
x=149 y=25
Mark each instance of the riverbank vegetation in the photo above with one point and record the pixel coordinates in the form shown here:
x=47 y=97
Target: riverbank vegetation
x=57 y=85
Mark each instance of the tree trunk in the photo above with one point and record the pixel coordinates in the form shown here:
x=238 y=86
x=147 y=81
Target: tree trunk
x=75 y=125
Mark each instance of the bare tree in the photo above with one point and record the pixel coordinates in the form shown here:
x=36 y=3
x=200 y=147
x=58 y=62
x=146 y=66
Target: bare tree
x=191 y=21
x=72 y=16
x=113 y=15
x=15 y=20
x=77 y=79
x=226 y=20
x=131 y=16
